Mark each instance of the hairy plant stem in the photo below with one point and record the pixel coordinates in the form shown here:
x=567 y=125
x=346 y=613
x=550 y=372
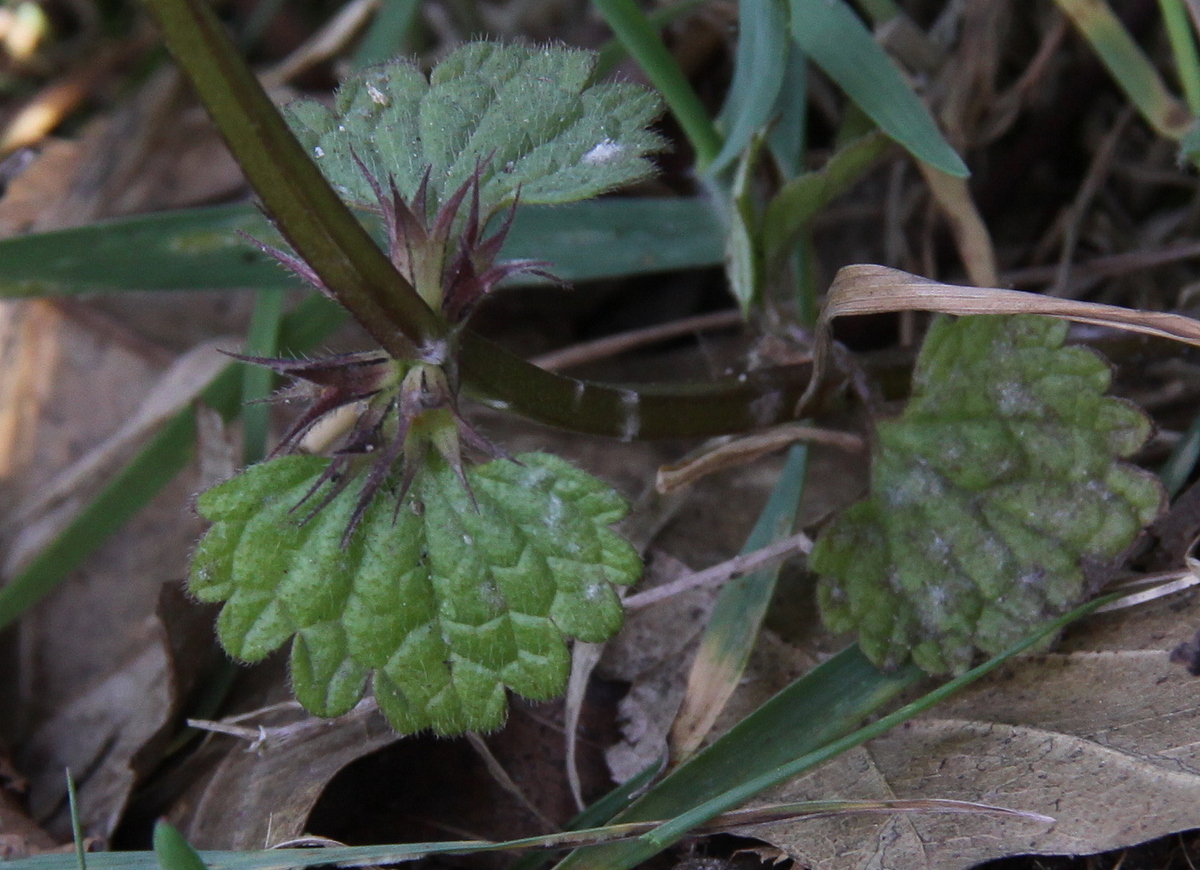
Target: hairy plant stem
x=330 y=240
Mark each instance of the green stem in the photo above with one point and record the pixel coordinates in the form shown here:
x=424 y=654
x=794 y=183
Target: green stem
x=315 y=222
x=326 y=235
x=637 y=34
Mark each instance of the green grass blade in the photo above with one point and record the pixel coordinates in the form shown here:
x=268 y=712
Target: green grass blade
x=786 y=136
x=626 y=854
x=732 y=629
x=610 y=238
x=76 y=823
x=182 y=250
x=388 y=35
x=641 y=40
x=319 y=227
x=172 y=851
x=599 y=813
x=612 y=51
x=199 y=249
x=1183 y=49
x=1184 y=456
x=149 y=471
x=823 y=705
x=758 y=73
x=838 y=42
x=799 y=201
x=1128 y=65
x=262 y=339
x=154 y=466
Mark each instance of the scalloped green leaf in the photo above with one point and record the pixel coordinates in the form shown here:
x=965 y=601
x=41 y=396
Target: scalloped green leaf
x=989 y=496
x=530 y=114
x=443 y=601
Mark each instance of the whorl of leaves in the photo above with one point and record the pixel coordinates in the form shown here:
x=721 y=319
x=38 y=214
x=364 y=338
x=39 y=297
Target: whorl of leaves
x=989 y=496
x=530 y=116
x=443 y=600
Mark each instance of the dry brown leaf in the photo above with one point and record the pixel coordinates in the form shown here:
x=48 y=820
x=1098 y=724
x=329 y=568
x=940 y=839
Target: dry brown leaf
x=873 y=289
x=652 y=652
x=1100 y=735
x=115 y=730
x=258 y=796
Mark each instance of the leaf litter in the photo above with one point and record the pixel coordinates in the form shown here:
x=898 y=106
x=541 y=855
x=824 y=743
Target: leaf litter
x=1095 y=734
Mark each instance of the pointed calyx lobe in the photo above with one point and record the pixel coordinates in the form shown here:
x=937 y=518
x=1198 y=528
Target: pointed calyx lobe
x=1000 y=481
x=441 y=157
x=443 y=160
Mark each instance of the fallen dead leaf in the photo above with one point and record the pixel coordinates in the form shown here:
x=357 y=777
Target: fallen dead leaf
x=115 y=730
x=1099 y=735
x=257 y=796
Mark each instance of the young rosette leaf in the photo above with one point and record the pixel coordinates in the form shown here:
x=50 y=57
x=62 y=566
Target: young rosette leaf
x=443 y=599
x=529 y=117
x=990 y=496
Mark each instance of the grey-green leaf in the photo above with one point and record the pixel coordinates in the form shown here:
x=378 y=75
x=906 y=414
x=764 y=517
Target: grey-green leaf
x=989 y=494
x=531 y=116
x=444 y=600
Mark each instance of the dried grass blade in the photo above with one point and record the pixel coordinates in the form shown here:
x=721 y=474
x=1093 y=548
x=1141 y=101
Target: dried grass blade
x=873 y=289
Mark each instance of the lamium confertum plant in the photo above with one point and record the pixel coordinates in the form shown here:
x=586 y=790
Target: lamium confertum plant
x=991 y=496
x=416 y=555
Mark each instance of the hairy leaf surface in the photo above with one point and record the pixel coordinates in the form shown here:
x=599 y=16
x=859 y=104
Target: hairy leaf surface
x=532 y=115
x=989 y=496
x=443 y=601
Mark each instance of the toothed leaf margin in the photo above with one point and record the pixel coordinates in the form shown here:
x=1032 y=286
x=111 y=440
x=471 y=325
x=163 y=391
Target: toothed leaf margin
x=442 y=602
x=1000 y=481
x=532 y=116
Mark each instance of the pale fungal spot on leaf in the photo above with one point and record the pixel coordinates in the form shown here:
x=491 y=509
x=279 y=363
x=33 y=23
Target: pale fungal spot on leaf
x=605 y=151
x=964 y=538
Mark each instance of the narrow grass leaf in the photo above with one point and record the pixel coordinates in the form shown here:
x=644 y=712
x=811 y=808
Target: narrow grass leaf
x=156 y=464
x=733 y=627
x=639 y=37
x=200 y=249
x=262 y=339
x=838 y=42
x=971 y=235
x=1183 y=49
x=786 y=135
x=129 y=490
x=173 y=851
x=76 y=823
x=614 y=237
x=613 y=51
x=758 y=74
x=627 y=854
x=801 y=198
x=1128 y=65
x=597 y=814
x=388 y=34
x=367 y=856
x=181 y=250
x=822 y=706
x=1179 y=465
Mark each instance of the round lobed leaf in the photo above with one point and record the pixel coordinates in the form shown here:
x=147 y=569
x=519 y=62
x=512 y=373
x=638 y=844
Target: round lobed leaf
x=444 y=599
x=1000 y=480
x=530 y=116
